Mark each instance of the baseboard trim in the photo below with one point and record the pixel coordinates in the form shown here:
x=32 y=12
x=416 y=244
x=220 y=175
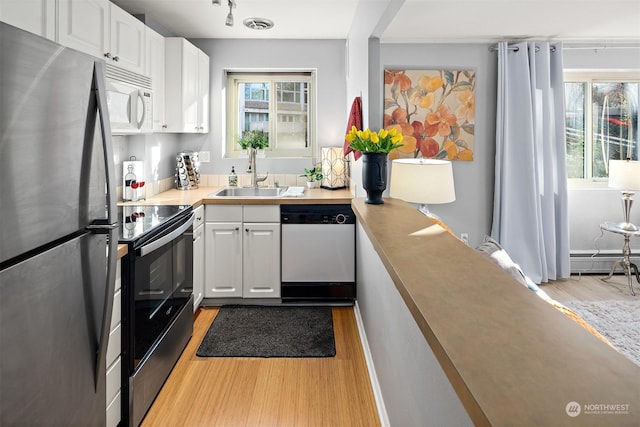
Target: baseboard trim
x=599 y=263
x=373 y=378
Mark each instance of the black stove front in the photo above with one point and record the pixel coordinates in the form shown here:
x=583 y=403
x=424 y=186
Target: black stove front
x=157 y=287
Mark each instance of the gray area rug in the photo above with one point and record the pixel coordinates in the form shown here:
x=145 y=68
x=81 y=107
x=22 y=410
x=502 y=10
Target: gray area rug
x=270 y=331
x=618 y=321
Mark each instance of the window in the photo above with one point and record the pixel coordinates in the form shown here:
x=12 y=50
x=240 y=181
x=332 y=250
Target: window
x=279 y=103
x=601 y=118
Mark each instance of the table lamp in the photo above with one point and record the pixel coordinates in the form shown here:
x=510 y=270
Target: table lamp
x=333 y=168
x=625 y=175
x=424 y=181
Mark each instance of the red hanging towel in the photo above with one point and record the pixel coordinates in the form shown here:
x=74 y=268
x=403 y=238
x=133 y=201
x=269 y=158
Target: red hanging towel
x=355 y=119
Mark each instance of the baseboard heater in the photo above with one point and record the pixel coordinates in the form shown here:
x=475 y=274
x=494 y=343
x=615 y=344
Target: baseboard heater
x=599 y=263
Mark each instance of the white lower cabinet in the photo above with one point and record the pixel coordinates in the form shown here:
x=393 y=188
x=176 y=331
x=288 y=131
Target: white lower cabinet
x=242 y=255
x=113 y=356
x=261 y=260
x=223 y=266
x=198 y=257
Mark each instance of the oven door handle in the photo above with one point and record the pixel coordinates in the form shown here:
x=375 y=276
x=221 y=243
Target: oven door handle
x=156 y=244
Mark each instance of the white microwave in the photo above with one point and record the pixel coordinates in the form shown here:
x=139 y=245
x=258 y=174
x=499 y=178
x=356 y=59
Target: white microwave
x=130 y=102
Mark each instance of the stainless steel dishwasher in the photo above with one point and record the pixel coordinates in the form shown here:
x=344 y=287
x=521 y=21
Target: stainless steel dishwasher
x=318 y=253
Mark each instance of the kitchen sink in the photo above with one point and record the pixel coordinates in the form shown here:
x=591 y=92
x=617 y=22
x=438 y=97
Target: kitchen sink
x=249 y=192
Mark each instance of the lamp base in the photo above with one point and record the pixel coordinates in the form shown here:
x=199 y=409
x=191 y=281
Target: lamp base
x=425 y=210
x=627 y=202
x=627 y=226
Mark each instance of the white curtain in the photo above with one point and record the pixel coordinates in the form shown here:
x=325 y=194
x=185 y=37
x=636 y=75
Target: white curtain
x=530 y=209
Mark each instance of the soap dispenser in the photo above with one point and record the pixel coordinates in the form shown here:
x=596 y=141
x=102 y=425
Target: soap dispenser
x=233 y=178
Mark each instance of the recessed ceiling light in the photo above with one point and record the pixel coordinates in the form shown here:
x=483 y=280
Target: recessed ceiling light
x=258 y=23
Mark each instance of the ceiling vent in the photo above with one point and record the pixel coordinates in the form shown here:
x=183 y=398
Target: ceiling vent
x=258 y=23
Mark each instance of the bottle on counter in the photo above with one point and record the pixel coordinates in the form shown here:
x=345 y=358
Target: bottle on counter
x=233 y=178
x=129 y=181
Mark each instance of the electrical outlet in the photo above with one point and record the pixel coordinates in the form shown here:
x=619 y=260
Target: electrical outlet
x=204 y=156
x=465 y=238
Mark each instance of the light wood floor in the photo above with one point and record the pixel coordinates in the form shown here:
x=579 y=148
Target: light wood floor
x=591 y=288
x=281 y=392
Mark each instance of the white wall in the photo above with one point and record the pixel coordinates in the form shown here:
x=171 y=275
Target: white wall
x=157 y=151
x=591 y=203
x=415 y=389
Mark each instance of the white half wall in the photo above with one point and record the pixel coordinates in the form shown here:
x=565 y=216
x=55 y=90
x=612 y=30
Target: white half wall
x=415 y=389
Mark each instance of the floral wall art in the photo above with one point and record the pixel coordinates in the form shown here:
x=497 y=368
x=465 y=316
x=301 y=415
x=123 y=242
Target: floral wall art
x=434 y=109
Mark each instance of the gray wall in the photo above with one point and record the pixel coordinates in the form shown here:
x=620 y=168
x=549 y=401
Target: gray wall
x=327 y=57
x=339 y=81
x=472 y=211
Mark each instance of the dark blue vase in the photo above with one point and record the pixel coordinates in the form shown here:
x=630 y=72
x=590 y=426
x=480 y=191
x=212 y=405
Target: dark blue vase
x=374 y=176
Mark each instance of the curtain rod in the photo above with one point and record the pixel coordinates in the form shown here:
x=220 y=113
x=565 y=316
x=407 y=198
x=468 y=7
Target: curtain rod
x=566 y=46
x=601 y=46
x=494 y=48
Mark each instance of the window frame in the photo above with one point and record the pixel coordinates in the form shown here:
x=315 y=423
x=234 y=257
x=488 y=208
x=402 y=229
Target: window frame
x=236 y=77
x=590 y=77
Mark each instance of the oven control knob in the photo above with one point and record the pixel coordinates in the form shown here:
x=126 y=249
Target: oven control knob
x=341 y=219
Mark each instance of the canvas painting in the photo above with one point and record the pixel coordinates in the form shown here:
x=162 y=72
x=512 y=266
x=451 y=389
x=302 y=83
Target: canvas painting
x=435 y=111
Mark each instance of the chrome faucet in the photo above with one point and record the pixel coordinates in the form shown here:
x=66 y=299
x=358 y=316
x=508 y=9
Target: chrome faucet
x=251 y=168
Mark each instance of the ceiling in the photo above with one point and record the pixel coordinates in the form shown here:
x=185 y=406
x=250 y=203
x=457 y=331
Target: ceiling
x=420 y=21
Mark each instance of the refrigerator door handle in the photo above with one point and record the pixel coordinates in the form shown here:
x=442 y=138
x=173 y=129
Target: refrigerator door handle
x=105 y=128
x=98 y=228
x=111 y=222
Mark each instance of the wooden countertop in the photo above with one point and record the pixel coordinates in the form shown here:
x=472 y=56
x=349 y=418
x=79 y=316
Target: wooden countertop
x=122 y=250
x=204 y=195
x=511 y=357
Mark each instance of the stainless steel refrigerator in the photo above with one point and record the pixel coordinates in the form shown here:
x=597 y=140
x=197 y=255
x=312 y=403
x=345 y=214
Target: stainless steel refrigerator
x=58 y=243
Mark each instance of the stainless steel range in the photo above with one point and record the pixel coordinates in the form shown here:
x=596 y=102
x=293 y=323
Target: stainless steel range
x=157 y=286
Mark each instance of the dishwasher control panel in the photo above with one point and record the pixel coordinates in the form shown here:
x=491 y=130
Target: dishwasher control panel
x=316 y=214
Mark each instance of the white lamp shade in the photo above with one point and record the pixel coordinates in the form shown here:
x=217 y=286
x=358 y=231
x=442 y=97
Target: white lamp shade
x=624 y=174
x=426 y=181
x=333 y=168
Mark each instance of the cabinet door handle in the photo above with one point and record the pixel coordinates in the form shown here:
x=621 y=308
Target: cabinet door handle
x=116 y=58
x=107 y=55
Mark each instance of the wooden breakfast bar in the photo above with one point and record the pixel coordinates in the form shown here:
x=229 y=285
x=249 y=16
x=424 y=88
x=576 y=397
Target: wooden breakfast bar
x=454 y=340
x=509 y=357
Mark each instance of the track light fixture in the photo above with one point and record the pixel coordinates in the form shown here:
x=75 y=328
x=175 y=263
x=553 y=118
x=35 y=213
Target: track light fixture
x=232 y=4
x=229 y=21
x=253 y=23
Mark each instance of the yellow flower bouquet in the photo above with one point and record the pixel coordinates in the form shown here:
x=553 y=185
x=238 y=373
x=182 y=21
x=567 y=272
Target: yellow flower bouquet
x=367 y=141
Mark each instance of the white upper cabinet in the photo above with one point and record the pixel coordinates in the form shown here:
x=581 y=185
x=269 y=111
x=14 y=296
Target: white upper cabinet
x=154 y=68
x=186 y=87
x=104 y=30
x=127 y=40
x=35 y=16
x=203 y=91
x=84 y=25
